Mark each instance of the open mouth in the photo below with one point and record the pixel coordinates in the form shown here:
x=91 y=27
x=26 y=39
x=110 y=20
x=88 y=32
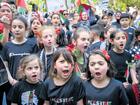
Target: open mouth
x=55 y=23
x=65 y=71
x=121 y=45
x=85 y=47
x=17 y=33
x=34 y=76
x=35 y=28
x=97 y=73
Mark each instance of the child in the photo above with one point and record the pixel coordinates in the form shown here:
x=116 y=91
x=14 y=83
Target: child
x=14 y=50
x=48 y=38
x=106 y=43
x=26 y=91
x=125 y=26
x=96 y=43
x=105 y=20
x=119 y=55
x=121 y=59
x=101 y=88
x=19 y=47
x=81 y=40
x=60 y=86
x=61 y=31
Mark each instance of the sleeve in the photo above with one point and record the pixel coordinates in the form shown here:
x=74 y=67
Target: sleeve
x=33 y=44
x=80 y=91
x=15 y=94
x=35 y=48
x=123 y=96
x=44 y=92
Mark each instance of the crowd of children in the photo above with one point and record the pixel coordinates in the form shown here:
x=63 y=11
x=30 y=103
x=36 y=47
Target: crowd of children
x=82 y=60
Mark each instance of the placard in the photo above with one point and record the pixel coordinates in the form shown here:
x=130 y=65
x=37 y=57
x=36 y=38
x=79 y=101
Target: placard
x=55 y=5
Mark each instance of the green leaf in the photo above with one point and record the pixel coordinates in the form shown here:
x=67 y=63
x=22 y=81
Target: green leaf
x=1 y=36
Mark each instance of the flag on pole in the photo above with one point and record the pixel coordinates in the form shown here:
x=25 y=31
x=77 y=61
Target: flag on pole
x=82 y=5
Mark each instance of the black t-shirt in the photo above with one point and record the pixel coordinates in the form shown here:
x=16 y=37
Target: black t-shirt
x=68 y=94
x=24 y=93
x=12 y=53
x=120 y=62
x=112 y=94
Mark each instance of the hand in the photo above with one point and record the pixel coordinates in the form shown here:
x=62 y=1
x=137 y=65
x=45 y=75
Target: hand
x=6 y=21
x=14 y=82
x=83 y=76
x=125 y=84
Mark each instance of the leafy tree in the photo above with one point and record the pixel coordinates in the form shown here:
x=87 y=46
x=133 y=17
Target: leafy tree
x=122 y=4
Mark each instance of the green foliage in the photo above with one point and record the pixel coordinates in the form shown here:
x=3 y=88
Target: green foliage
x=122 y=4
x=117 y=5
x=130 y=2
x=72 y=1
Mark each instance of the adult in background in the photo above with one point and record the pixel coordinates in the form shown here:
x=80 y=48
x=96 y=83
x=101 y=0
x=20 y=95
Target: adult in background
x=6 y=16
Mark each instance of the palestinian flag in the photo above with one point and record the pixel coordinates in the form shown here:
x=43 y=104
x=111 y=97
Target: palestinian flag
x=83 y=5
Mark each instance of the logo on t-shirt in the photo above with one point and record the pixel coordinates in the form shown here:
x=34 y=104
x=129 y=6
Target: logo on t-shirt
x=18 y=54
x=93 y=102
x=62 y=100
x=29 y=98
